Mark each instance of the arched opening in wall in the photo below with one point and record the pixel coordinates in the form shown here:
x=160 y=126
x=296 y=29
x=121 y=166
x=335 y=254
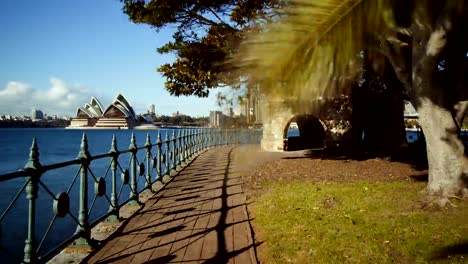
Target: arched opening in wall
x=411 y=120
x=464 y=131
x=303 y=132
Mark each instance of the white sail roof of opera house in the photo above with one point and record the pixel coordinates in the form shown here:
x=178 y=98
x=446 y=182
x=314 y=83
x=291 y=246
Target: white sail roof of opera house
x=120 y=106
x=92 y=109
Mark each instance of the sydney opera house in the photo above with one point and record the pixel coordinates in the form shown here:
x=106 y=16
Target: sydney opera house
x=118 y=115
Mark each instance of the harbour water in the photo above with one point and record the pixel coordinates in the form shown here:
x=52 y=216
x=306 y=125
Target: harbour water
x=58 y=145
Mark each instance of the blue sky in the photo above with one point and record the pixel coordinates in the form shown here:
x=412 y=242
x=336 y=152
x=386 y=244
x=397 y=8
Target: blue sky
x=56 y=54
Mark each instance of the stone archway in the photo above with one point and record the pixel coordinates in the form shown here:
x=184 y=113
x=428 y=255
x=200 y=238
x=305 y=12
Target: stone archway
x=311 y=133
x=325 y=121
x=280 y=113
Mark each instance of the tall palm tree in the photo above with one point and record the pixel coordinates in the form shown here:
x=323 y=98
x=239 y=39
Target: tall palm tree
x=313 y=47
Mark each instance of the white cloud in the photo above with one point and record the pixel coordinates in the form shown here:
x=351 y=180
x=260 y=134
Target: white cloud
x=59 y=98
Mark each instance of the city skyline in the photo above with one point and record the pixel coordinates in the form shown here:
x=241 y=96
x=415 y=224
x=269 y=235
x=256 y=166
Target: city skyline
x=29 y=113
x=57 y=54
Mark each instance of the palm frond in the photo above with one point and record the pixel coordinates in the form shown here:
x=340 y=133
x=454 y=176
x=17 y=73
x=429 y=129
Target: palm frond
x=314 y=46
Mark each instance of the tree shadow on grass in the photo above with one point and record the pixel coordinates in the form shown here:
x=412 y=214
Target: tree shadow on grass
x=413 y=154
x=420 y=177
x=455 y=250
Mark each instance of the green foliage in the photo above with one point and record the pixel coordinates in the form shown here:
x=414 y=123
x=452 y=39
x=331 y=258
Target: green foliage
x=235 y=122
x=360 y=222
x=314 y=45
x=206 y=33
x=182 y=120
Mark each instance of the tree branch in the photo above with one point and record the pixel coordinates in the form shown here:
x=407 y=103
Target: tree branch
x=392 y=48
x=201 y=18
x=461 y=108
x=216 y=15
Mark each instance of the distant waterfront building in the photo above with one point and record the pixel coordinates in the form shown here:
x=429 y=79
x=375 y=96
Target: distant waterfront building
x=244 y=106
x=88 y=115
x=37 y=115
x=228 y=112
x=91 y=110
x=151 y=109
x=238 y=110
x=257 y=103
x=148 y=117
x=253 y=105
x=216 y=118
x=119 y=114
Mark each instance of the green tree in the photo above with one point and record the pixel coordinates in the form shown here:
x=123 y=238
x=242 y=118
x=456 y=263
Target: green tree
x=164 y=119
x=313 y=48
x=180 y=119
x=206 y=33
x=377 y=106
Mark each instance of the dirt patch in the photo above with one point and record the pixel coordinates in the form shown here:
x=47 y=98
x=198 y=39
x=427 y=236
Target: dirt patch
x=329 y=202
x=299 y=166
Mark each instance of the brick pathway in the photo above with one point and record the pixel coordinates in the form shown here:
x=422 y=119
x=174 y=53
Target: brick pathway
x=200 y=217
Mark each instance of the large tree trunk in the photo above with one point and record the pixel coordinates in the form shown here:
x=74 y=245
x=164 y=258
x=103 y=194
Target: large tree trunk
x=437 y=34
x=437 y=94
x=445 y=151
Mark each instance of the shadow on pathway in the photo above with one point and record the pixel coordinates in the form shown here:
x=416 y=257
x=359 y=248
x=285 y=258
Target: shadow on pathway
x=200 y=217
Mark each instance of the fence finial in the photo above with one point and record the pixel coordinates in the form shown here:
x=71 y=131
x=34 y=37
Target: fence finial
x=33 y=161
x=84 y=152
x=114 y=144
x=133 y=141
x=148 y=140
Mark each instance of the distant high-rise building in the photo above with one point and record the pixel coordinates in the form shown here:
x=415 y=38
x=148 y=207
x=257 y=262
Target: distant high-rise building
x=37 y=115
x=216 y=118
x=244 y=106
x=151 y=109
x=254 y=105
x=228 y=112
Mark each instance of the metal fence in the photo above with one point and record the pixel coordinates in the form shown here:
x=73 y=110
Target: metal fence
x=142 y=167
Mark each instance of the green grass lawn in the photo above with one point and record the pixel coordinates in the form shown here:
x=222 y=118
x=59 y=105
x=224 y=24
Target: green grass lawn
x=359 y=222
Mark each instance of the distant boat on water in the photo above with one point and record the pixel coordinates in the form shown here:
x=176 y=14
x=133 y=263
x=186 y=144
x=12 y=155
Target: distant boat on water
x=146 y=127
